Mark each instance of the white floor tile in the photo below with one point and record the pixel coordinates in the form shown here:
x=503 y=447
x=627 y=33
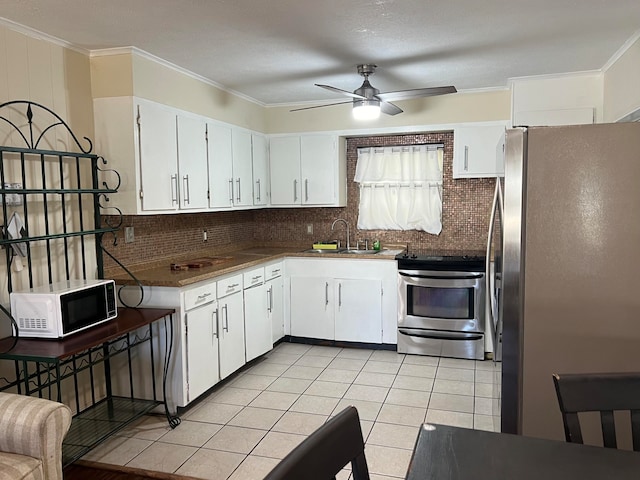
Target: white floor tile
x=192 y=434
x=233 y=396
x=356 y=353
x=306 y=373
x=402 y=415
x=423 y=384
x=118 y=450
x=275 y=400
x=422 y=360
x=485 y=376
x=460 y=374
x=342 y=376
x=340 y=363
x=309 y=360
x=387 y=356
x=389 y=435
x=254 y=468
x=162 y=457
x=293 y=348
x=453 y=403
x=270 y=369
x=211 y=464
x=483 y=422
x=408 y=398
x=314 y=404
x=458 y=363
x=321 y=388
x=210 y=412
x=235 y=439
x=255 y=382
x=260 y=418
x=388 y=461
x=289 y=385
x=378 y=366
x=282 y=358
x=375 y=379
x=366 y=392
x=453 y=386
x=418 y=370
x=150 y=427
x=277 y=444
x=456 y=419
x=300 y=423
x=366 y=410
x=324 y=351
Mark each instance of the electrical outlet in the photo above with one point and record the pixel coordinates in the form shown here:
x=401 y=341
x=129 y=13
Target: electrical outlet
x=310 y=229
x=128 y=235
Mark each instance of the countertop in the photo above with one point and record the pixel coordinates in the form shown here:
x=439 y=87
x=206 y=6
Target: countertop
x=159 y=273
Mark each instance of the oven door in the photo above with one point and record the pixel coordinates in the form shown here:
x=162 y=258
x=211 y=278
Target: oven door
x=441 y=300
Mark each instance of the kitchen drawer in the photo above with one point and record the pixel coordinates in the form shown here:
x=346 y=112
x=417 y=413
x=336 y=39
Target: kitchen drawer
x=253 y=277
x=229 y=285
x=273 y=271
x=199 y=296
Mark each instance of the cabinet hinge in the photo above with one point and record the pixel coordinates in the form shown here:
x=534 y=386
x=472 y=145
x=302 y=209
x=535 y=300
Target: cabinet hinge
x=138 y=117
x=141 y=194
x=208 y=194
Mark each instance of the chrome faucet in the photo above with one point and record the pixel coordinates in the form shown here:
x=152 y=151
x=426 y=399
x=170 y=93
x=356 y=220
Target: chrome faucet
x=346 y=225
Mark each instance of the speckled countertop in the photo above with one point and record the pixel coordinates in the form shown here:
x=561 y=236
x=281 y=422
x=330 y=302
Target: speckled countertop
x=159 y=273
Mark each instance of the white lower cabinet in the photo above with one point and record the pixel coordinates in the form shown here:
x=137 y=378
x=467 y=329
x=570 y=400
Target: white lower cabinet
x=345 y=300
x=231 y=337
x=257 y=323
x=358 y=311
x=275 y=298
x=312 y=307
x=201 y=338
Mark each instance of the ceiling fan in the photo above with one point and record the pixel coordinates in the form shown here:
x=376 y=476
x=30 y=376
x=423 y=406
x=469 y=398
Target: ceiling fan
x=368 y=102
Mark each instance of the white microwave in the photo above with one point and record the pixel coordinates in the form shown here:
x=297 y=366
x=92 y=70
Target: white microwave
x=64 y=308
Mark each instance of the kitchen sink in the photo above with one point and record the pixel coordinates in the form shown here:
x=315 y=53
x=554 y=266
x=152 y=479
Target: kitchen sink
x=323 y=250
x=359 y=252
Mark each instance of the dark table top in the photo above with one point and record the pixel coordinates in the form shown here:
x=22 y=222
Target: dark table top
x=53 y=350
x=447 y=453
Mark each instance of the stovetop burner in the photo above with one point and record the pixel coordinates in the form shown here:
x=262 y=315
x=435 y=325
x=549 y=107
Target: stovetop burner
x=441 y=260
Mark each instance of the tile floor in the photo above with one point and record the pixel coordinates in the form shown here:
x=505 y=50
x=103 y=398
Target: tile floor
x=247 y=424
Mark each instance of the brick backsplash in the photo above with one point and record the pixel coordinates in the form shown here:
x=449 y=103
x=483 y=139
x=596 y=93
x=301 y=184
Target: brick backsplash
x=465 y=218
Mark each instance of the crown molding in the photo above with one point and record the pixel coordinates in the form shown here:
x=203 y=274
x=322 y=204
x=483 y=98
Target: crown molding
x=621 y=51
x=38 y=35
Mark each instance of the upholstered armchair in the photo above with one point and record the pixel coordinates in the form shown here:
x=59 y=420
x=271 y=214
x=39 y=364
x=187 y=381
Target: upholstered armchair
x=31 y=434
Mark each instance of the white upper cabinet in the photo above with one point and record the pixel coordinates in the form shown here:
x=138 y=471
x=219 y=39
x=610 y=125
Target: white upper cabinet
x=307 y=170
x=284 y=165
x=157 y=139
x=242 y=168
x=192 y=163
x=158 y=151
x=260 y=155
x=220 y=166
x=474 y=151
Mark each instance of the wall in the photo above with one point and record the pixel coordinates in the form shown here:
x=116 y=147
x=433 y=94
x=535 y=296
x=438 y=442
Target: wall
x=477 y=106
x=622 y=82
x=126 y=72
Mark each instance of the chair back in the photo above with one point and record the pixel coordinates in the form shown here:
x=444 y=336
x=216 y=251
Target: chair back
x=326 y=451
x=599 y=392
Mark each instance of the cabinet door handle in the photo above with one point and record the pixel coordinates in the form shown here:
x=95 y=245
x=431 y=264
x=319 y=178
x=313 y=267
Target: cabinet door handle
x=270 y=299
x=466 y=158
x=258 y=184
x=185 y=185
x=225 y=325
x=339 y=295
x=306 y=189
x=326 y=294
x=174 y=188
x=215 y=322
x=238 y=192
x=295 y=190
x=231 y=190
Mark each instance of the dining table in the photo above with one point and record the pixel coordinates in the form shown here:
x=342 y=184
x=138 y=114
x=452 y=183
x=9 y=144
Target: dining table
x=445 y=452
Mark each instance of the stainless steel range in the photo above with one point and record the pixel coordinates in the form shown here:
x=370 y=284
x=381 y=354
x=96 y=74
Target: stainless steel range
x=441 y=304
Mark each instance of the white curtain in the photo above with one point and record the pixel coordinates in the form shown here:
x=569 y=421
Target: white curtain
x=400 y=188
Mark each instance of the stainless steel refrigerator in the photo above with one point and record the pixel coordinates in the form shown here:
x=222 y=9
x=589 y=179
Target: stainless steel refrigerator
x=568 y=267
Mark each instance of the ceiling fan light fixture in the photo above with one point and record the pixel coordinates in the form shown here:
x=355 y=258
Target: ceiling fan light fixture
x=366 y=109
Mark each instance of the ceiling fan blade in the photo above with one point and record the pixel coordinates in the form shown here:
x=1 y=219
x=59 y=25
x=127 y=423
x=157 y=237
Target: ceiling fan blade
x=339 y=90
x=389 y=108
x=318 y=106
x=416 y=93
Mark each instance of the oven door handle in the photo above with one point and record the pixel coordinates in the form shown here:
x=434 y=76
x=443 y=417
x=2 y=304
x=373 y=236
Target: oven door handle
x=440 y=334
x=461 y=276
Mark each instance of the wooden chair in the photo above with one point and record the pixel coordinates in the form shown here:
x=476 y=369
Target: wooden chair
x=599 y=392
x=326 y=451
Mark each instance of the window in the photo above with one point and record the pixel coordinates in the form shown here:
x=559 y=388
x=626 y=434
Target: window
x=400 y=188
